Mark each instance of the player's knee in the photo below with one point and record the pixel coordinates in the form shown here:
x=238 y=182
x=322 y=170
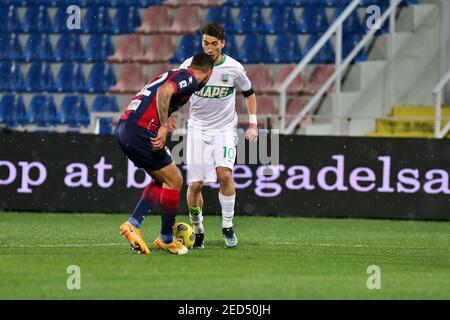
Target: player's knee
x=225 y=177
x=196 y=187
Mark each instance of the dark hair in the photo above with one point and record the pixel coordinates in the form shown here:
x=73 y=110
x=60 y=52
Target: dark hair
x=214 y=29
x=202 y=61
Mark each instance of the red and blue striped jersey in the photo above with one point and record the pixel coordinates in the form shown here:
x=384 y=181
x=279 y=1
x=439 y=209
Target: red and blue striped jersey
x=143 y=109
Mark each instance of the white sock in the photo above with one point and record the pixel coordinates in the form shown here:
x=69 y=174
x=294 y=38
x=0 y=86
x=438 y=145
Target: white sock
x=227 y=204
x=196 y=216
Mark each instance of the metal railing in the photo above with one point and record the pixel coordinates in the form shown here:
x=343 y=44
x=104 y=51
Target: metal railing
x=437 y=93
x=340 y=66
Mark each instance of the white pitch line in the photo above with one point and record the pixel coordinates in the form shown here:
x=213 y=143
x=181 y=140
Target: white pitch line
x=348 y=245
x=62 y=245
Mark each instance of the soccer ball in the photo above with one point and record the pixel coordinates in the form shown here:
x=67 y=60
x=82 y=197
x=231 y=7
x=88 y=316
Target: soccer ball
x=184 y=234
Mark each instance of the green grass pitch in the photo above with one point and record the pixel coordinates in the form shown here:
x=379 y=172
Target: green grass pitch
x=277 y=258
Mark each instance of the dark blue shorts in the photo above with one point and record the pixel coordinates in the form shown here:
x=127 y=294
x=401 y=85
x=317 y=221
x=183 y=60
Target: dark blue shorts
x=136 y=144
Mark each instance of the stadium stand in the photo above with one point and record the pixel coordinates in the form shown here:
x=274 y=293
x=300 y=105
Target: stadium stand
x=124 y=43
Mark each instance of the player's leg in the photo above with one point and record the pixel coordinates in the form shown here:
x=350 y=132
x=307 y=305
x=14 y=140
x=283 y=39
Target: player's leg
x=128 y=137
x=195 y=204
x=131 y=228
x=172 y=181
x=227 y=197
x=224 y=156
x=200 y=169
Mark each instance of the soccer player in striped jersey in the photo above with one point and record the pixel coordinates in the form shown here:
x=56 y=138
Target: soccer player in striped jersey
x=142 y=133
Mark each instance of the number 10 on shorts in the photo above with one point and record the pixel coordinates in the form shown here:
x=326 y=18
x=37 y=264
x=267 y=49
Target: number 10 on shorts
x=229 y=153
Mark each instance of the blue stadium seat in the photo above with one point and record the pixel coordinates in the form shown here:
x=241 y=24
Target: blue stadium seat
x=97 y=20
x=98 y=48
x=10 y=47
x=336 y=3
x=126 y=20
x=12 y=111
x=10 y=19
x=352 y=24
x=254 y=49
x=70 y=78
x=231 y=46
x=42 y=111
x=249 y=20
x=325 y=55
x=38 y=48
x=39 y=78
x=281 y=20
x=221 y=15
x=60 y=20
x=100 y=79
x=68 y=48
x=313 y=20
x=189 y=45
x=36 y=19
x=104 y=103
x=81 y=3
x=349 y=43
x=11 y=78
x=365 y=3
x=286 y=49
x=74 y=111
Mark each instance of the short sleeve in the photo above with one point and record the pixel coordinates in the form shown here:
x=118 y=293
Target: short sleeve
x=184 y=82
x=185 y=64
x=242 y=80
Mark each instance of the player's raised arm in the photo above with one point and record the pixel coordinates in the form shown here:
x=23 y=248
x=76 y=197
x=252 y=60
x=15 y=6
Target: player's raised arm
x=163 y=96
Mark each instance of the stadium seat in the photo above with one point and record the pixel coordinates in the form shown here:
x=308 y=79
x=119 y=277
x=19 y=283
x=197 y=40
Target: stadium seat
x=230 y=48
x=36 y=19
x=38 y=48
x=189 y=45
x=11 y=78
x=74 y=111
x=295 y=105
x=131 y=79
x=12 y=110
x=294 y=87
x=39 y=78
x=313 y=19
x=156 y=20
x=266 y=105
x=97 y=20
x=42 y=111
x=281 y=20
x=161 y=49
x=68 y=48
x=249 y=20
x=10 y=47
x=100 y=79
x=317 y=78
x=254 y=49
x=70 y=78
x=98 y=48
x=187 y=20
x=324 y=55
x=349 y=43
x=286 y=49
x=352 y=24
x=221 y=15
x=158 y=69
x=129 y=48
x=261 y=77
x=104 y=103
x=125 y=20
x=10 y=19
